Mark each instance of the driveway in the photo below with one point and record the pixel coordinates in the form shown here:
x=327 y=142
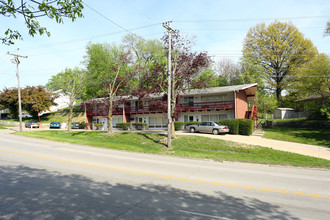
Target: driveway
x=305 y=149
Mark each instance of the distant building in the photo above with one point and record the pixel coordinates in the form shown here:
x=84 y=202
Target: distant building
x=62 y=101
x=284 y=113
x=311 y=105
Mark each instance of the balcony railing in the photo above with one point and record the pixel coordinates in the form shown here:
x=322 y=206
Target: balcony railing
x=206 y=106
x=183 y=107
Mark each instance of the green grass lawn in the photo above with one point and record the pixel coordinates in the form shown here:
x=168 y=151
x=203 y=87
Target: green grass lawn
x=4 y=126
x=184 y=146
x=320 y=137
x=61 y=116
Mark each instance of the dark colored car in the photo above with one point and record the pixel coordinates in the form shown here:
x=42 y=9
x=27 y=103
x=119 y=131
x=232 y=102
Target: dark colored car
x=76 y=125
x=55 y=124
x=32 y=124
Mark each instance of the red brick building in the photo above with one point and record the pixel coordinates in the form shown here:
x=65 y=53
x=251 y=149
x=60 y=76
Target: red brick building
x=209 y=104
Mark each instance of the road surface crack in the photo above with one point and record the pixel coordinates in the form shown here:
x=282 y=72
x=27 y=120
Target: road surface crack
x=133 y=206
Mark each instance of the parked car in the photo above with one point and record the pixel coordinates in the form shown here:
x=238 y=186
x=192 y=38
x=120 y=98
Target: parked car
x=26 y=115
x=76 y=125
x=32 y=124
x=55 y=124
x=208 y=127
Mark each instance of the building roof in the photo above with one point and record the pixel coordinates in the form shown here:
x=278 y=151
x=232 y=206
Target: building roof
x=285 y=109
x=250 y=90
x=223 y=89
x=313 y=97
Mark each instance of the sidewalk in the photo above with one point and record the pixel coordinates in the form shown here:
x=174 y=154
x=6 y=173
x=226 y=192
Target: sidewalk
x=305 y=149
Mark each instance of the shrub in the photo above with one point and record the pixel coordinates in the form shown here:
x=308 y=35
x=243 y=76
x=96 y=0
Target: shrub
x=232 y=124
x=123 y=125
x=245 y=126
x=192 y=123
x=139 y=125
x=98 y=126
x=178 y=125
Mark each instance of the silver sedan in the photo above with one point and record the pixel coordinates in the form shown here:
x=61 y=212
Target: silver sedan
x=208 y=127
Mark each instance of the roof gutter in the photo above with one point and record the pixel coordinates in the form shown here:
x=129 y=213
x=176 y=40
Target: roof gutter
x=235 y=105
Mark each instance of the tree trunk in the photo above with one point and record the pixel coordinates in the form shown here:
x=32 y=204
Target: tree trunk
x=278 y=94
x=110 y=132
x=70 y=114
x=173 y=104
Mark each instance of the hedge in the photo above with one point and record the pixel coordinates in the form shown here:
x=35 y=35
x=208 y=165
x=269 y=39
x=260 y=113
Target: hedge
x=192 y=123
x=98 y=126
x=245 y=126
x=140 y=125
x=178 y=125
x=123 y=125
x=239 y=126
x=232 y=124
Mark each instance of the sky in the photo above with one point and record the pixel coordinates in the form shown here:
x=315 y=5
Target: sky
x=219 y=27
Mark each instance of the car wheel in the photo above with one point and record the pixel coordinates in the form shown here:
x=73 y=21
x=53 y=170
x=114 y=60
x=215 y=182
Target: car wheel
x=215 y=131
x=192 y=130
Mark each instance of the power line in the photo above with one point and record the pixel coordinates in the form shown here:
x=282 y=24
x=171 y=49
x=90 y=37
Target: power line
x=91 y=37
x=107 y=18
x=250 y=19
x=234 y=29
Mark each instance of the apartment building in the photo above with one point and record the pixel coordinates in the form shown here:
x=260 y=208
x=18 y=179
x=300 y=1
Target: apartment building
x=209 y=104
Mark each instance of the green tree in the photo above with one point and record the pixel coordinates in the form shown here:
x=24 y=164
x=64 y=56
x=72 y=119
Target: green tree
x=266 y=102
x=313 y=78
x=205 y=79
x=32 y=10
x=109 y=74
x=147 y=55
x=279 y=48
x=327 y=29
x=72 y=84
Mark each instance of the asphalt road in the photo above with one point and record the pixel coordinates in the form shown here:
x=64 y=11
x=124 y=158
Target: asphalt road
x=49 y=180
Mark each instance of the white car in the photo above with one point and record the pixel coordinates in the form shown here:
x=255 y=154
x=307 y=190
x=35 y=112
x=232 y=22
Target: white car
x=26 y=115
x=208 y=127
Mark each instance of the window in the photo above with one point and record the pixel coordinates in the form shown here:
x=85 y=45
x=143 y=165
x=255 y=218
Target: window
x=214 y=118
x=205 y=117
x=157 y=122
x=115 y=121
x=214 y=98
x=222 y=116
x=188 y=100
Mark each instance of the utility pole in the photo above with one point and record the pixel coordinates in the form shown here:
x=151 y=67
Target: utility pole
x=167 y=25
x=17 y=62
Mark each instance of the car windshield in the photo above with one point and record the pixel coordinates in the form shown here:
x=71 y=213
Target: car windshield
x=216 y=124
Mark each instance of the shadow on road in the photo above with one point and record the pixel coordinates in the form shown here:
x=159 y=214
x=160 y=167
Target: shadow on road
x=28 y=193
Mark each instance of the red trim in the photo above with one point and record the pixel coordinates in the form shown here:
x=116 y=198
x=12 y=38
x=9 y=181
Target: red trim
x=184 y=107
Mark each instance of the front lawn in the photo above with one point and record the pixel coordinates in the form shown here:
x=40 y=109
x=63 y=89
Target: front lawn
x=4 y=126
x=61 y=116
x=320 y=137
x=184 y=146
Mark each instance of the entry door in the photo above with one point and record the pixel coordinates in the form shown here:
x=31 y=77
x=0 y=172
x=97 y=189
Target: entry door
x=138 y=119
x=188 y=118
